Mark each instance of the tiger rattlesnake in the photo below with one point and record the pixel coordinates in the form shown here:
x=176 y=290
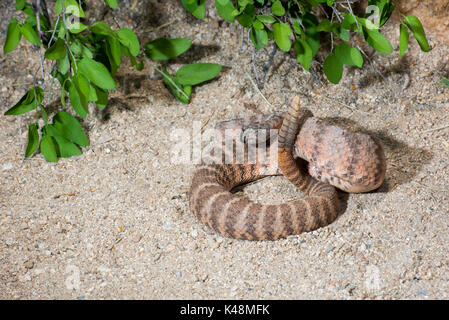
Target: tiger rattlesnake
x=352 y=162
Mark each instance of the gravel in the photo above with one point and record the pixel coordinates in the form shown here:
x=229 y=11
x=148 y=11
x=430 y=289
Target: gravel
x=115 y=223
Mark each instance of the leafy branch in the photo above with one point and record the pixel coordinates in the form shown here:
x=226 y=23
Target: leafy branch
x=297 y=24
x=85 y=59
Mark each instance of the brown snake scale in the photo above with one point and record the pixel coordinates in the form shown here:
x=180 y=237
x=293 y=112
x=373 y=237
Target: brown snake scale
x=352 y=162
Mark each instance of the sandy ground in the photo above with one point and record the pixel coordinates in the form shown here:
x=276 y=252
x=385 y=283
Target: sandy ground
x=115 y=222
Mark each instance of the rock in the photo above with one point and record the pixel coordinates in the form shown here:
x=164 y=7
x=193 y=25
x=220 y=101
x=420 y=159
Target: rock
x=177 y=273
x=423 y=292
x=7 y=166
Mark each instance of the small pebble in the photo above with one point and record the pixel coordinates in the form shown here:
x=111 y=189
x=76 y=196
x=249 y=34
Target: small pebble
x=7 y=166
x=136 y=237
x=350 y=287
x=29 y=264
x=424 y=292
x=170 y=248
x=157 y=257
x=177 y=273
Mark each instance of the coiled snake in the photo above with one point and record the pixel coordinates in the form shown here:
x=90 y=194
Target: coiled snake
x=350 y=161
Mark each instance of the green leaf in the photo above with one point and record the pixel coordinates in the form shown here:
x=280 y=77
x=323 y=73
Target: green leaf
x=58 y=7
x=92 y=94
x=297 y=28
x=341 y=32
x=83 y=87
x=102 y=28
x=196 y=73
x=102 y=97
x=445 y=82
x=63 y=65
x=313 y=39
x=266 y=19
x=82 y=84
x=258 y=25
x=349 y=55
x=50 y=130
x=58 y=75
x=183 y=96
x=310 y=23
x=225 y=9
x=304 y=53
x=97 y=73
x=404 y=36
x=28 y=11
x=139 y=66
x=45 y=24
x=63 y=96
x=48 y=148
x=325 y=25
x=115 y=50
x=73 y=7
x=65 y=148
x=20 y=4
x=417 y=29
x=315 y=3
x=282 y=33
x=28 y=102
x=165 y=48
x=62 y=31
x=38 y=94
x=80 y=50
x=309 y=19
x=246 y=18
x=13 y=36
x=129 y=39
x=57 y=51
x=333 y=68
x=77 y=27
x=377 y=41
x=112 y=3
x=385 y=7
x=367 y=24
x=30 y=33
x=33 y=140
x=349 y=22
x=70 y=128
x=278 y=9
x=32 y=20
x=78 y=102
x=44 y=113
x=196 y=7
x=259 y=38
